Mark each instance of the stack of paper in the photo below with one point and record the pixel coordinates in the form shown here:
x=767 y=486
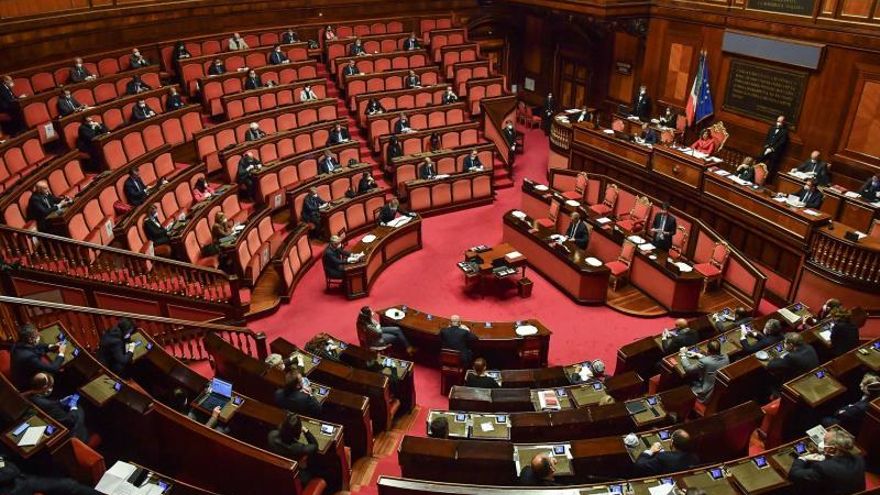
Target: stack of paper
x=790 y=317
x=647 y=247
x=722 y=172
x=399 y=221
x=810 y=212
x=603 y=220
x=31 y=436
x=547 y=400
x=851 y=194
x=684 y=267
x=512 y=256
x=115 y=482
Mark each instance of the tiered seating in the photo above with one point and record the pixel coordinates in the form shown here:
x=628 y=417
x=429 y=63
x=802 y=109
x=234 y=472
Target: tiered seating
x=477 y=89
x=363 y=28
x=194 y=68
x=401 y=99
x=295 y=257
x=465 y=71
x=451 y=137
x=219 y=43
x=438 y=38
x=461 y=190
x=65 y=177
x=279 y=180
x=382 y=62
x=450 y=55
x=213 y=88
x=447 y=162
x=259 y=100
x=189 y=242
x=349 y=215
x=428 y=25
x=424 y=118
x=373 y=43
x=255 y=246
x=215 y=140
x=386 y=81
x=19 y=156
x=125 y=144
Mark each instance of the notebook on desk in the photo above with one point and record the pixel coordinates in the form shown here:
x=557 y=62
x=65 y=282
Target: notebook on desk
x=636 y=407
x=220 y=392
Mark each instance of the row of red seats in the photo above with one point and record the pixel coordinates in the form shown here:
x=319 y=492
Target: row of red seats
x=197 y=235
x=453 y=54
x=192 y=69
x=256 y=246
x=477 y=89
x=453 y=136
x=401 y=99
x=65 y=176
x=465 y=71
x=293 y=260
x=387 y=81
x=214 y=88
x=273 y=181
x=259 y=100
x=124 y=145
x=349 y=216
x=369 y=64
x=375 y=44
x=446 y=162
x=19 y=156
x=431 y=117
x=456 y=191
x=439 y=38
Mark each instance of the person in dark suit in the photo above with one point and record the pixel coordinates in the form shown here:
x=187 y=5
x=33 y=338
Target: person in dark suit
x=79 y=72
x=642 y=104
x=351 y=69
x=135 y=190
x=278 y=57
x=840 y=470
x=412 y=80
x=472 y=162
x=8 y=97
x=254 y=132
x=87 y=132
x=136 y=61
x=374 y=107
x=65 y=411
x=141 y=112
x=156 y=233
x=43 y=203
x=810 y=195
x=338 y=135
x=800 y=357
x=509 y=134
x=668 y=119
x=367 y=183
x=252 y=81
x=770 y=335
x=174 y=101
x=824 y=312
x=851 y=415
x=844 y=333
x=649 y=134
x=376 y=334
x=583 y=115
x=774 y=145
x=297 y=398
x=439 y=427
x=292 y=441
x=458 y=337
x=328 y=164
x=704 y=367
x=334 y=258
x=217 y=68
x=116 y=350
x=311 y=207
x=578 y=232
x=656 y=461
x=816 y=166
x=411 y=43
x=427 y=171
x=680 y=336
x=248 y=164
x=870 y=190
x=180 y=52
x=68 y=105
x=663 y=228
x=540 y=472
x=435 y=141
x=289 y=36
x=547 y=112
x=15 y=482
x=136 y=85
x=356 y=48
x=402 y=125
x=392 y=151
x=449 y=97
x=746 y=170
x=29 y=357
x=390 y=211
x=479 y=378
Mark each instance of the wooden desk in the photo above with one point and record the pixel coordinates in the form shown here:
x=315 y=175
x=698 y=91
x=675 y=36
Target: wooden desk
x=470 y=425
x=625 y=151
x=389 y=244
x=34 y=419
x=100 y=390
x=816 y=387
x=679 y=166
x=498 y=341
x=853 y=212
x=337 y=208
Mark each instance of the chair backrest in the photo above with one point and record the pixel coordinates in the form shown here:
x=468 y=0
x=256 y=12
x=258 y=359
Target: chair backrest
x=554 y=210
x=720 y=253
x=611 y=194
x=760 y=174
x=875 y=229
x=627 y=252
x=719 y=135
x=450 y=360
x=641 y=209
x=581 y=182
x=679 y=241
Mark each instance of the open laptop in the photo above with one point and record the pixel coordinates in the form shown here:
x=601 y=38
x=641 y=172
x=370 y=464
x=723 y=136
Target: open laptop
x=220 y=392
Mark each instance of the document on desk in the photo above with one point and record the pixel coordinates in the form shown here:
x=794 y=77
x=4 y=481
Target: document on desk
x=664 y=489
x=721 y=172
x=790 y=317
x=399 y=222
x=812 y=213
x=115 y=479
x=32 y=436
x=547 y=400
x=487 y=427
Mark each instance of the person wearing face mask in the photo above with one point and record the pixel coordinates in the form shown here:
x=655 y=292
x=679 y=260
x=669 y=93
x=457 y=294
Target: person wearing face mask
x=851 y=415
x=289 y=36
x=253 y=81
x=79 y=72
x=66 y=411
x=411 y=43
x=800 y=358
x=29 y=356
x=547 y=112
x=142 y=112
x=810 y=195
x=328 y=164
x=248 y=164
x=510 y=138
x=357 y=48
x=402 y=125
x=278 y=57
x=642 y=104
x=449 y=97
x=329 y=33
x=136 y=85
x=180 y=52
x=88 y=131
x=774 y=145
x=367 y=183
x=217 y=68
x=338 y=135
x=307 y=94
x=838 y=470
x=870 y=190
x=472 y=162
x=156 y=233
x=174 y=101
x=351 y=69
x=668 y=119
x=254 y=132
x=374 y=107
x=68 y=105
x=42 y=203
x=427 y=170
x=817 y=167
x=137 y=60
x=413 y=81
x=237 y=43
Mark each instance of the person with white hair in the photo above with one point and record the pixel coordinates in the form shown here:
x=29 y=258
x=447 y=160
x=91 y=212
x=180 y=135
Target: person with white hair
x=458 y=337
x=838 y=470
x=254 y=132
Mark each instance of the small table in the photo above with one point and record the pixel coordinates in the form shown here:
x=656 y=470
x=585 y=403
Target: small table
x=481 y=263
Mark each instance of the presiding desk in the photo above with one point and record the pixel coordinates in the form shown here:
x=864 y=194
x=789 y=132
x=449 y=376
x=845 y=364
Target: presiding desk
x=847 y=207
x=504 y=344
x=617 y=144
x=383 y=245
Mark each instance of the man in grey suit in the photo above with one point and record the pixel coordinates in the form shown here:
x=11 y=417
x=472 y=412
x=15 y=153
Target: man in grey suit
x=705 y=368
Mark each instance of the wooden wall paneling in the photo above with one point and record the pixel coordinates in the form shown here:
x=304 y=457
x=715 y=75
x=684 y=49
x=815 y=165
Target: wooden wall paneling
x=627 y=50
x=861 y=135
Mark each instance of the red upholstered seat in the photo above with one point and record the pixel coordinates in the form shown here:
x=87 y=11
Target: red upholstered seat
x=713 y=268
x=580 y=188
x=679 y=243
x=620 y=267
x=550 y=221
x=606 y=207
x=634 y=221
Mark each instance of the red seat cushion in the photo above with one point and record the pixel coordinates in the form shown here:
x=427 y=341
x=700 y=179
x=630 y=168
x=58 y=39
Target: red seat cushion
x=707 y=269
x=572 y=195
x=601 y=209
x=617 y=267
x=546 y=222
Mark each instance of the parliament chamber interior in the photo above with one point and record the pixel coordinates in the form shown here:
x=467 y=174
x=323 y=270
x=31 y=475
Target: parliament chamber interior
x=305 y=247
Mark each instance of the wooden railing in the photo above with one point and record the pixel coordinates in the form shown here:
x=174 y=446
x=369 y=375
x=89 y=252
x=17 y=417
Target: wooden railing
x=856 y=263
x=497 y=111
x=181 y=338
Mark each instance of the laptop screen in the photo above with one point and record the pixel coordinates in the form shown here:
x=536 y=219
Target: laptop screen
x=218 y=386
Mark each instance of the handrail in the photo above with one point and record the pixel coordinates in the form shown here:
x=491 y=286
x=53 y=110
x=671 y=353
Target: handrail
x=182 y=338
x=497 y=110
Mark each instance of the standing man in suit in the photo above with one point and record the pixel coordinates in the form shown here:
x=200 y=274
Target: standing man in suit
x=296 y=397
x=252 y=81
x=390 y=211
x=547 y=112
x=156 y=233
x=810 y=195
x=328 y=164
x=66 y=411
x=870 y=190
x=136 y=61
x=578 y=232
x=705 y=367
x=458 y=337
x=351 y=69
x=174 y=101
x=402 y=125
x=479 y=378
x=334 y=258
x=816 y=166
x=656 y=461
x=839 y=470
x=278 y=57
x=851 y=415
x=254 y=133
x=142 y=112
x=770 y=335
x=427 y=171
x=29 y=356
x=449 y=97
x=413 y=80
x=289 y=36
x=136 y=86
x=642 y=104
x=87 y=132
x=799 y=358
x=472 y=162
x=311 y=208
x=237 y=43
x=135 y=190
x=680 y=336
x=116 y=350
x=42 y=204
x=411 y=43
x=338 y=135
x=663 y=228
x=79 y=72
x=217 y=68
x=774 y=146
x=68 y=105
x=509 y=134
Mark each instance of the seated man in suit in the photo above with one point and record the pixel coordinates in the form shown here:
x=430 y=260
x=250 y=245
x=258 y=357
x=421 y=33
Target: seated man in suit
x=374 y=107
x=411 y=43
x=174 y=100
x=292 y=441
x=770 y=335
x=656 y=461
x=338 y=135
x=181 y=402
x=851 y=415
x=248 y=164
x=839 y=470
x=87 y=132
x=366 y=183
x=328 y=163
x=582 y=116
x=458 y=337
x=311 y=207
x=844 y=333
x=253 y=81
x=307 y=93
x=413 y=80
x=254 y=132
x=680 y=336
x=402 y=125
x=427 y=171
x=8 y=96
x=351 y=69
x=217 y=68
x=66 y=411
x=870 y=190
x=649 y=135
x=180 y=52
x=29 y=357
x=726 y=320
x=816 y=166
x=479 y=378
x=137 y=60
x=439 y=427
x=296 y=396
x=79 y=72
x=390 y=211
x=43 y=203
x=68 y=105
x=509 y=134
x=136 y=85
x=237 y=43
x=449 y=97
x=289 y=36
x=142 y=111
x=356 y=48
x=334 y=258
x=156 y=233
x=540 y=472
x=15 y=482
x=278 y=57
x=706 y=144
x=472 y=162
x=578 y=232
x=663 y=228
x=799 y=358
x=704 y=367
x=376 y=334
x=135 y=190
x=116 y=350
x=810 y=195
